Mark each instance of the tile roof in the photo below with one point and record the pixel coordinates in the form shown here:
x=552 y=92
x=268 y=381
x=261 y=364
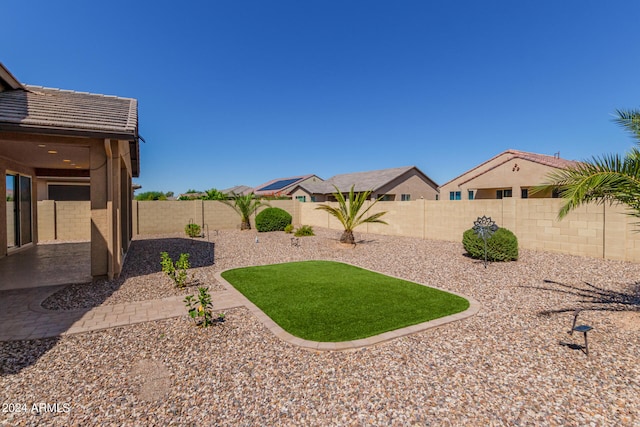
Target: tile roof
x=238 y=189
x=362 y=181
x=47 y=109
x=279 y=185
x=553 y=161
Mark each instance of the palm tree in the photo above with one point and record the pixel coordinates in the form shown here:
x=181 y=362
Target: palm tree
x=349 y=215
x=610 y=178
x=245 y=205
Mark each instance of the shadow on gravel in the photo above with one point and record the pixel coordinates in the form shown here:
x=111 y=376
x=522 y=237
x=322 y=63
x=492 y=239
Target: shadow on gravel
x=593 y=298
x=69 y=304
x=17 y=355
x=143 y=258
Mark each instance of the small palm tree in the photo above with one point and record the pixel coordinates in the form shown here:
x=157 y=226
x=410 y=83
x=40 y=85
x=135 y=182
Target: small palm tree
x=349 y=215
x=609 y=178
x=245 y=205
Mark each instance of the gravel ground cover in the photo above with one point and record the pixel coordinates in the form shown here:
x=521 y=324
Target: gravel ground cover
x=505 y=366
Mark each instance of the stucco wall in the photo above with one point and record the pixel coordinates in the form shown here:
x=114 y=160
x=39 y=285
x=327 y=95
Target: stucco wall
x=515 y=173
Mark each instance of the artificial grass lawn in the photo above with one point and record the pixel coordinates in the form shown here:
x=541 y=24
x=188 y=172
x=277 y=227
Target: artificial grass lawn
x=330 y=301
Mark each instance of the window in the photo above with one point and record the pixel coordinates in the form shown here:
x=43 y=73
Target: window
x=455 y=195
x=437 y=197
x=524 y=193
x=503 y=193
x=405 y=197
x=386 y=197
x=470 y=194
x=301 y=198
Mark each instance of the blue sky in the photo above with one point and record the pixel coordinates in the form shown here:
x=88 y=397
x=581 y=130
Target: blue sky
x=240 y=92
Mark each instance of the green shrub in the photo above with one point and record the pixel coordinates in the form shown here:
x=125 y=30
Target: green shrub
x=178 y=271
x=501 y=246
x=272 y=219
x=192 y=230
x=288 y=229
x=305 y=230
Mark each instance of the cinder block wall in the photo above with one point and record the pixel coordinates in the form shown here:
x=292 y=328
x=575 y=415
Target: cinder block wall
x=599 y=231
x=73 y=220
x=46 y=220
x=594 y=230
x=158 y=217
x=64 y=221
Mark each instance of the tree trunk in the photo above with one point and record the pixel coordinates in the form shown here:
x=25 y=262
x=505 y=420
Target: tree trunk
x=245 y=225
x=347 y=237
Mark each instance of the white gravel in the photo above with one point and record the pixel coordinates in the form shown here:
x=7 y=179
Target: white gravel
x=504 y=366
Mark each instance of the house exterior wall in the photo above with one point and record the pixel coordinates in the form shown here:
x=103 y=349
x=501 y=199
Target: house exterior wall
x=513 y=174
x=411 y=183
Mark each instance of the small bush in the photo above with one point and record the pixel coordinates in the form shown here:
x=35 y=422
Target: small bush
x=305 y=230
x=178 y=271
x=192 y=230
x=288 y=229
x=501 y=246
x=272 y=219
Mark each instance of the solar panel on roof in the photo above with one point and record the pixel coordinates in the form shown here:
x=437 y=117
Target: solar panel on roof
x=279 y=185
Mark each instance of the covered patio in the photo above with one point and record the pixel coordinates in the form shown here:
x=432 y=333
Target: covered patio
x=46 y=265
x=62 y=139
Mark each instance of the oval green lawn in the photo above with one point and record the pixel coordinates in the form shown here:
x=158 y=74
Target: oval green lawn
x=331 y=302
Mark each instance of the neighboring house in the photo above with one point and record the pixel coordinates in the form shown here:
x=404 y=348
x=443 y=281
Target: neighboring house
x=70 y=145
x=511 y=173
x=240 y=190
x=283 y=186
x=399 y=184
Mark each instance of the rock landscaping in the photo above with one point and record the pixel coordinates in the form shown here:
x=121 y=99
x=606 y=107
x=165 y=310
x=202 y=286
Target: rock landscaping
x=511 y=364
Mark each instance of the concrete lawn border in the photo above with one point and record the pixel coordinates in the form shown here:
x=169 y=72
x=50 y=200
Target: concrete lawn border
x=474 y=308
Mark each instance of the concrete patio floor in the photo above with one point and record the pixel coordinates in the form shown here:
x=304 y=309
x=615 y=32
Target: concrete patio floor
x=46 y=265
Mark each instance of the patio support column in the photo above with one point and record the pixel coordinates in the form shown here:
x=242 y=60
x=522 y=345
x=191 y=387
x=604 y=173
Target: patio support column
x=106 y=244
x=100 y=256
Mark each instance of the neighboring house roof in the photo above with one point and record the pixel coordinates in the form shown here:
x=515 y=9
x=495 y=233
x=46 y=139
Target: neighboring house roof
x=280 y=185
x=238 y=189
x=361 y=181
x=7 y=80
x=543 y=159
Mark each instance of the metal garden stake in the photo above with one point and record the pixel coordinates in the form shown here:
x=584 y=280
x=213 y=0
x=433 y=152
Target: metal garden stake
x=484 y=227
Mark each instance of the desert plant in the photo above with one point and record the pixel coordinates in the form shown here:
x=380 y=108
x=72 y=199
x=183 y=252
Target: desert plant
x=201 y=308
x=272 y=219
x=245 y=205
x=192 y=230
x=606 y=179
x=305 y=230
x=288 y=229
x=176 y=271
x=349 y=215
x=153 y=195
x=501 y=246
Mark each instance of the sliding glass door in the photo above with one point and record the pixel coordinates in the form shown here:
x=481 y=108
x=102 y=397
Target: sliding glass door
x=19 y=210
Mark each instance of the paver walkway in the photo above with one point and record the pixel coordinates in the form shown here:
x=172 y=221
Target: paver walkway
x=22 y=317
